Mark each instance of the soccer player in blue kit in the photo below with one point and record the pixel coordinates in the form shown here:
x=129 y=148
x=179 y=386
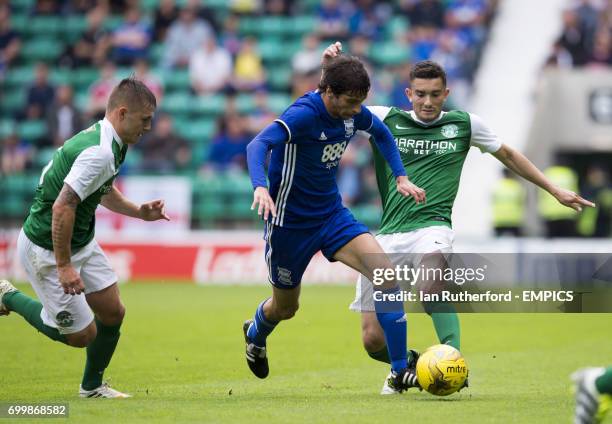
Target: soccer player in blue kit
x=303 y=209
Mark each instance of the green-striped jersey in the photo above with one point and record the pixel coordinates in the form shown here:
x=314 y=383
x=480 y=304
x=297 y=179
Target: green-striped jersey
x=433 y=154
x=88 y=163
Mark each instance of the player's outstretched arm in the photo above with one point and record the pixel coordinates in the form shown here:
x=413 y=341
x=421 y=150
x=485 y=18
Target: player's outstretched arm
x=386 y=144
x=518 y=163
x=257 y=150
x=62 y=225
x=150 y=211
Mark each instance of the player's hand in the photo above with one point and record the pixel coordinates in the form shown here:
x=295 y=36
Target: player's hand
x=406 y=188
x=70 y=280
x=262 y=198
x=332 y=51
x=152 y=211
x=571 y=200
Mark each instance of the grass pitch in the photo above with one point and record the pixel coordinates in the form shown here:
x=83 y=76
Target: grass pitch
x=181 y=355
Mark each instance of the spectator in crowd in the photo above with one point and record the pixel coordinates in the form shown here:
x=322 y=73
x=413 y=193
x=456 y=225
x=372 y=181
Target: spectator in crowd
x=143 y=73
x=162 y=149
x=306 y=65
x=401 y=81
x=246 y=7
x=10 y=42
x=261 y=116
x=92 y=46
x=369 y=18
x=210 y=68
x=230 y=38
x=573 y=39
x=131 y=39
x=332 y=17
x=249 y=73
x=468 y=17
x=228 y=149
x=100 y=91
x=15 y=154
x=78 y=7
x=560 y=221
x=205 y=13
x=40 y=93
x=46 y=7
x=597 y=222
x=423 y=40
x=559 y=57
x=63 y=119
x=308 y=58
x=508 y=205
x=279 y=7
x=428 y=13
x=165 y=14
x=601 y=53
x=185 y=37
x=455 y=58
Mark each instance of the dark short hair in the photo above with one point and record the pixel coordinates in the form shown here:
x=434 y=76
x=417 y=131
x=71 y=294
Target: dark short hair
x=345 y=75
x=132 y=93
x=427 y=69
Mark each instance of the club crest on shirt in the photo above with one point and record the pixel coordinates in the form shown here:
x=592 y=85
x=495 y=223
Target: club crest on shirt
x=349 y=127
x=450 y=130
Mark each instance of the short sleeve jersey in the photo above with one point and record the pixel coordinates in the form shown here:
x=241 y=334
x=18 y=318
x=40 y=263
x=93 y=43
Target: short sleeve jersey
x=302 y=171
x=88 y=163
x=433 y=154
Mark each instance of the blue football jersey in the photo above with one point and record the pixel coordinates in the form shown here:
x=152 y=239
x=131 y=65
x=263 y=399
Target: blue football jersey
x=302 y=172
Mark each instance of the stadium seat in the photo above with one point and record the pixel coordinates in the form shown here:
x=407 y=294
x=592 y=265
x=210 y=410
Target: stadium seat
x=12 y=101
x=44 y=27
x=83 y=77
x=176 y=79
x=7 y=126
x=19 y=77
x=279 y=78
x=32 y=130
x=198 y=131
x=41 y=49
x=245 y=103
x=60 y=76
x=211 y=105
x=177 y=103
x=278 y=102
x=389 y=53
x=73 y=27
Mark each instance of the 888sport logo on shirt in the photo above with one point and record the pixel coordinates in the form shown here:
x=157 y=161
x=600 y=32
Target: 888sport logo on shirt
x=332 y=154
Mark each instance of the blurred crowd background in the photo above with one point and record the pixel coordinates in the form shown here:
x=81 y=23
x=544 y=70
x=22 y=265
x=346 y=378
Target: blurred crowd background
x=224 y=69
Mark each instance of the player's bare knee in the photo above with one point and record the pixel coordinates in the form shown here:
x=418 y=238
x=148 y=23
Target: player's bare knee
x=288 y=311
x=114 y=316
x=373 y=340
x=82 y=338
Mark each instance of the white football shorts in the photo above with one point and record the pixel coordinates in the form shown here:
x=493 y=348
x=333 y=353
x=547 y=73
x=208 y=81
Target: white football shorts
x=413 y=243
x=69 y=314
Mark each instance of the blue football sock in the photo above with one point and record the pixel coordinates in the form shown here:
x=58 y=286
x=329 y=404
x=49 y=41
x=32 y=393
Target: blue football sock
x=391 y=317
x=261 y=327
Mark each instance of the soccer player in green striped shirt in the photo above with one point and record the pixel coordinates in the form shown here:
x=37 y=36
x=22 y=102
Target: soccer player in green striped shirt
x=433 y=145
x=65 y=265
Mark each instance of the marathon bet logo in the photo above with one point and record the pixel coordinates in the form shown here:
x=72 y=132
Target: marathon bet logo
x=450 y=130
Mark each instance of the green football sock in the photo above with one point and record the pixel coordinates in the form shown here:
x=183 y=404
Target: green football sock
x=30 y=310
x=447 y=328
x=603 y=383
x=382 y=355
x=99 y=354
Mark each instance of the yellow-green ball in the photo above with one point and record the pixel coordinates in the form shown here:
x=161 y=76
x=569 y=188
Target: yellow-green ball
x=441 y=370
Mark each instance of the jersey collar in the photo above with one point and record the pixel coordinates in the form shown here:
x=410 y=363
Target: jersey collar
x=414 y=118
x=107 y=123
